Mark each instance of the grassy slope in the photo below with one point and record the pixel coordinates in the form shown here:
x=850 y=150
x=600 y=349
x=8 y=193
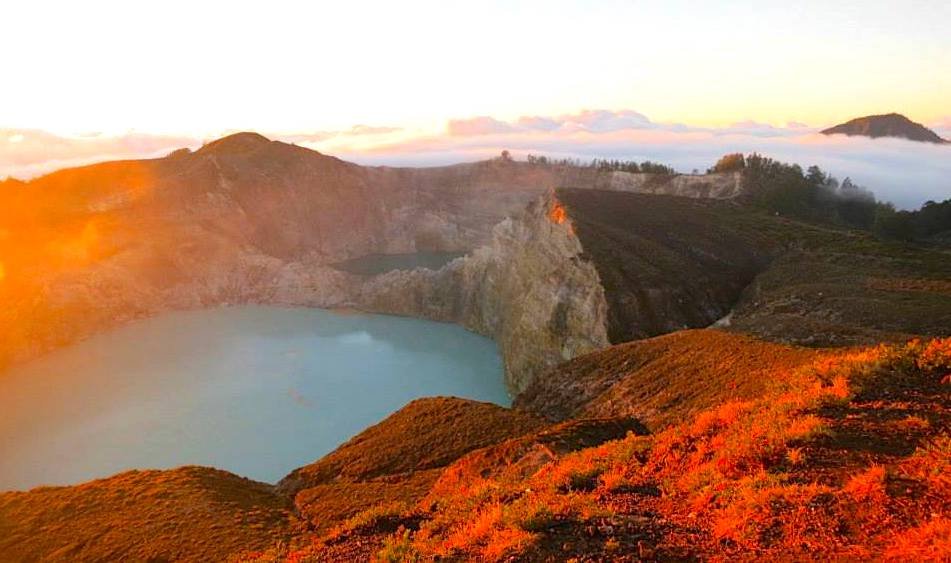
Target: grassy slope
x=670 y=263
x=849 y=289
x=662 y=380
x=425 y=434
x=202 y=514
x=187 y=514
x=846 y=455
x=849 y=458
x=397 y=460
x=695 y=488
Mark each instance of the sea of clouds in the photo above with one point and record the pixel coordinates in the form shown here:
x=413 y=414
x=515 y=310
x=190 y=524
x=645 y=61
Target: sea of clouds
x=904 y=172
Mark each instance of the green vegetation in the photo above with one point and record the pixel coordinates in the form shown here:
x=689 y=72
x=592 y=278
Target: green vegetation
x=734 y=162
x=814 y=195
x=932 y=220
x=607 y=165
x=787 y=190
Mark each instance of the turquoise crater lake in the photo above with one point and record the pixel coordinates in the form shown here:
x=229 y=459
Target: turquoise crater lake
x=254 y=390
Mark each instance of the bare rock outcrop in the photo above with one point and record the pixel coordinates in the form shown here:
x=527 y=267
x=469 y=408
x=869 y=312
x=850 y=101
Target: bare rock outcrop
x=530 y=289
x=246 y=219
x=724 y=185
x=579 y=270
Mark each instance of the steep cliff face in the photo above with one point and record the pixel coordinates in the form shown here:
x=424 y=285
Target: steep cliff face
x=726 y=185
x=616 y=258
x=581 y=269
x=530 y=289
x=669 y=263
x=453 y=208
x=245 y=219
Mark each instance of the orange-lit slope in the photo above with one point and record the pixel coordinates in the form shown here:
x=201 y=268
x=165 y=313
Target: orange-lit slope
x=400 y=457
x=663 y=380
x=848 y=459
x=186 y=514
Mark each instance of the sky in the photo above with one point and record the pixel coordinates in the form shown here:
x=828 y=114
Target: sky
x=112 y=78
x=192 y=67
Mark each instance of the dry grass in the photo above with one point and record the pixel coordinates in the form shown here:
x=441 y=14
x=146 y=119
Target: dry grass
x=743 y=471
x=425 y=434
x=931 y=541
x=191 y=514
x=911 y=284
x=664 y=380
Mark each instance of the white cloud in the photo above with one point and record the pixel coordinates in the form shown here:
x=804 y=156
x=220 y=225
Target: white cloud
x=31 y=152
x=482 y=125
x=904 y=172
x=603 y=121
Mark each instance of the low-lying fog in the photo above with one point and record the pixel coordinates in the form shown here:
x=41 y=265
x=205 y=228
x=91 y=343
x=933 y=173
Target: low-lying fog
x=904 y=172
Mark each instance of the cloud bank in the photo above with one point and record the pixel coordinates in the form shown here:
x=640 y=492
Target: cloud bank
x=904 y=172
x=26 y=153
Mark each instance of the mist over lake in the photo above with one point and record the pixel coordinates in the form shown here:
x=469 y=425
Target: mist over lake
x=255 y=390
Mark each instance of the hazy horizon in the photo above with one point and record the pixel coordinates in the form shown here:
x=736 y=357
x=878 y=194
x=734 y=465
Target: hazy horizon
x=424 y=83
x=904 y=172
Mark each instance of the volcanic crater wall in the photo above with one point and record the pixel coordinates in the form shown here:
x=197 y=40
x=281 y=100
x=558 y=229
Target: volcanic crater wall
x=249 y=220
x=668 y=263
x=530 y=289
x=579 y=270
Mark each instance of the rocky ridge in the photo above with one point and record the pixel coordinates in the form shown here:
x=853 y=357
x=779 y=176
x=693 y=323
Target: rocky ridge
x=581 y=269
x=246 y=220
x=530 y=289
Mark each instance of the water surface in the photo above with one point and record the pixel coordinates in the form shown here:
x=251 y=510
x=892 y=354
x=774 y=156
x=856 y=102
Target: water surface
x=254 y=390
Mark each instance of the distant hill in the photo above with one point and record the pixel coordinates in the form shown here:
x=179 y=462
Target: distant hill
x=888 y=125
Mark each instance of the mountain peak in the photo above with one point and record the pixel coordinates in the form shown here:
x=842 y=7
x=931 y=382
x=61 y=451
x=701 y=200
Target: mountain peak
x=236 y=144
x=885 y=125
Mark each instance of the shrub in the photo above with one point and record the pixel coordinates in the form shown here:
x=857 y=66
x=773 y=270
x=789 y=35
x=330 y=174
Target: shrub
x=505 y=542
x=912 y=422
x=936 y=356
x=369 y=518
x=868 y=486
x=398 y=548
x=530 y=514
x=931 y=465
x=795 y=456
x=615 y=478
x=729 y=163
